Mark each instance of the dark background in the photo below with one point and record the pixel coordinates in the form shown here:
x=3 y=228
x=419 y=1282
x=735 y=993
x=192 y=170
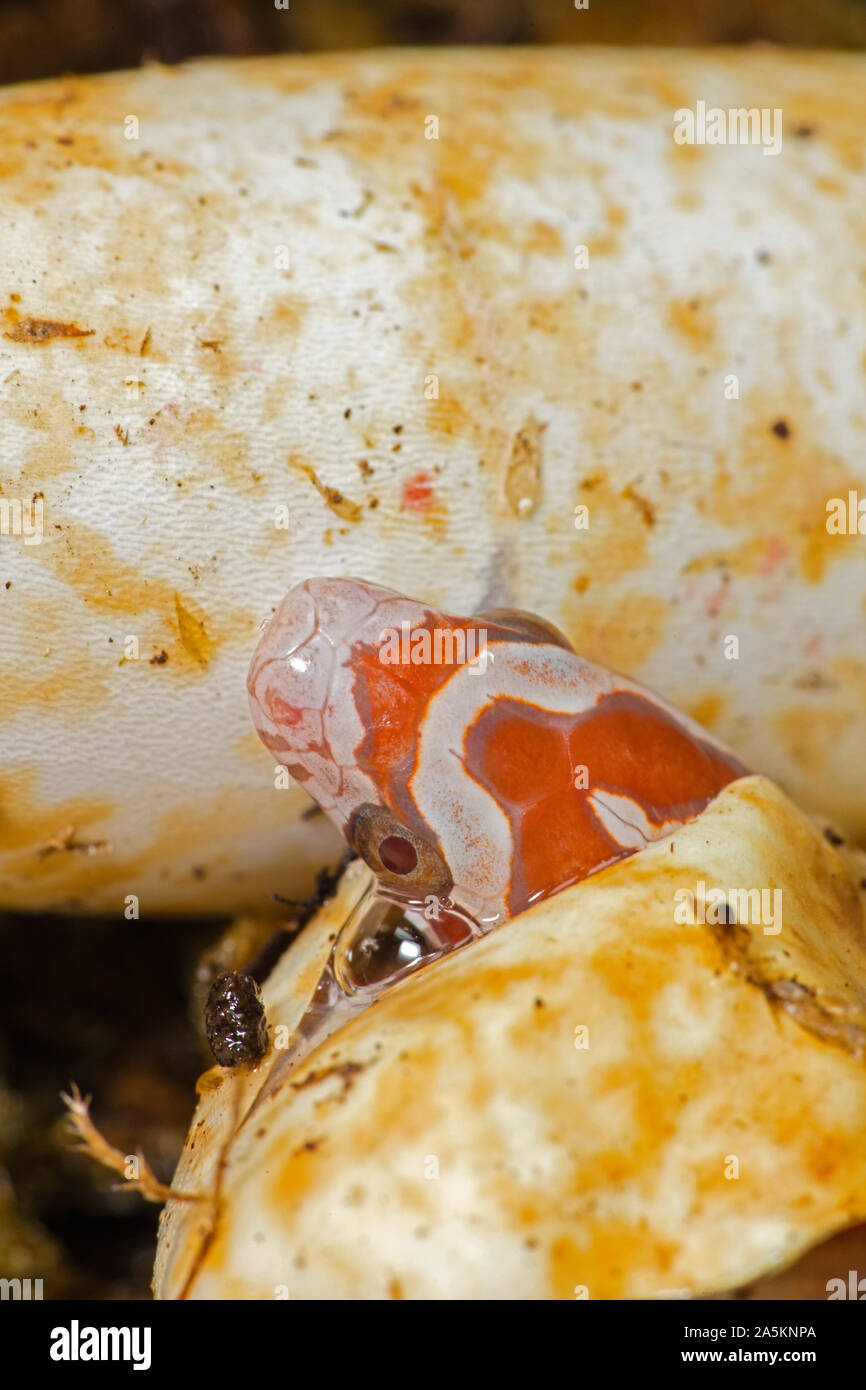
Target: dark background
x=67 y=1008
x=44 y=38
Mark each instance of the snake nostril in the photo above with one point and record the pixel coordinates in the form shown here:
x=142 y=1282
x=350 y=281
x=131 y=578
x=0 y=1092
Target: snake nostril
x=398 y=855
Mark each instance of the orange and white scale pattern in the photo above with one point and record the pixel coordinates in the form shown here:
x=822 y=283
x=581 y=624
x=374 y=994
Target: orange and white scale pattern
x=527 y=767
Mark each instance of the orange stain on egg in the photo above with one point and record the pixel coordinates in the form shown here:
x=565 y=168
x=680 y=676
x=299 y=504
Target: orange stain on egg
x=418 y=492
x=707 y=709
x=294 y=1178
x=193 y=633
x=693 y=318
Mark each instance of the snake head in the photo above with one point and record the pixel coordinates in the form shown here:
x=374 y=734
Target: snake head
x=478 y=761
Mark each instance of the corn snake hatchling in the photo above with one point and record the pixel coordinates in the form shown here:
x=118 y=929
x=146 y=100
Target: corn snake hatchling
x=476 y=763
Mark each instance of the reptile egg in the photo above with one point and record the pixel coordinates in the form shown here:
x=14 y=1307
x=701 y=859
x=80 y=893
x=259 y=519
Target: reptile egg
x=580 y=454
x=598 y=1099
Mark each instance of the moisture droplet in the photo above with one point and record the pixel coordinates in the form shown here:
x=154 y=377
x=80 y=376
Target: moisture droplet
x=384 y=947
x=381 y=942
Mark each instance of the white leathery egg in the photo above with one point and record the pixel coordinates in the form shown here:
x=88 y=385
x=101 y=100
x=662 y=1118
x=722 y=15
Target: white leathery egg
x=229 y=393
x=523 y=1088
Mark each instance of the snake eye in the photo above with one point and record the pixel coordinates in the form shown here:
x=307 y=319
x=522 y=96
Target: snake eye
x=398 y=856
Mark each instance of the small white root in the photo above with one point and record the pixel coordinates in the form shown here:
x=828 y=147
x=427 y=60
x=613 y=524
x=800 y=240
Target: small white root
x=99 y=1149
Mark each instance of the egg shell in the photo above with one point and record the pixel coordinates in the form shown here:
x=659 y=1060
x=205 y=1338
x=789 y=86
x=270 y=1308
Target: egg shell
x=258 y=326
x=592 y=1101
